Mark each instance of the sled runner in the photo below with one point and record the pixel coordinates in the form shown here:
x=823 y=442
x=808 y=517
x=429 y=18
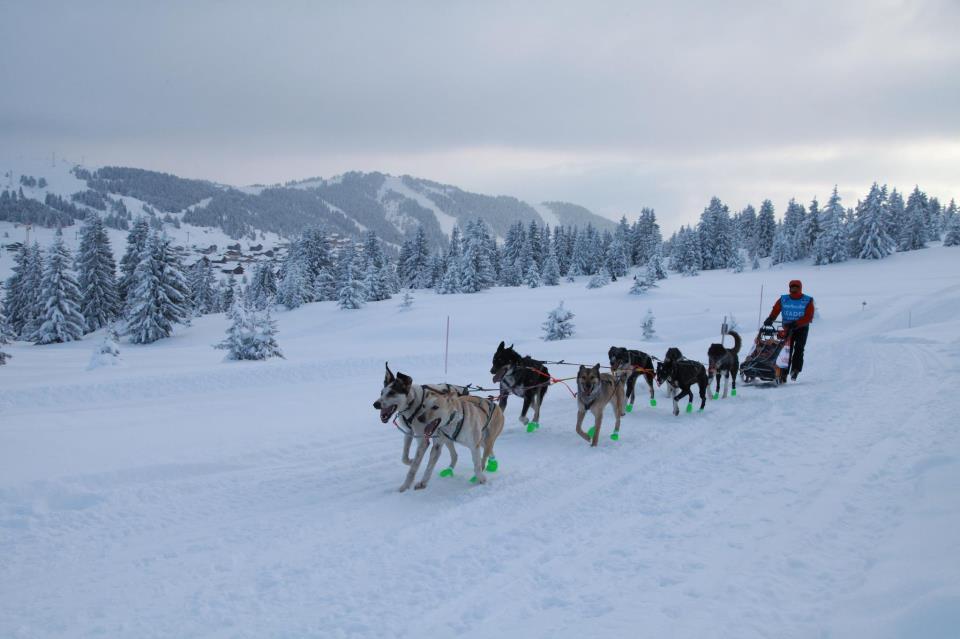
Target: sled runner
x=770 y=357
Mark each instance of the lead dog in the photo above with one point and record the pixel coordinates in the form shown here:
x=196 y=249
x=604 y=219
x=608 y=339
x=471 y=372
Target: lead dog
x=401 y=396
x=634 y=363
x=522 y=376
x=682 y=373
x=725 y=361
x=469 y=421
x=594 y=391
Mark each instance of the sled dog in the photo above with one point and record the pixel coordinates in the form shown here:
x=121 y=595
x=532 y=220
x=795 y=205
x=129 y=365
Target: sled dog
x=629 y=361
x=521 y=376
x=594 y=391
x=725 y=361
x=682 y=373
x=401 y=396
x=472 y=422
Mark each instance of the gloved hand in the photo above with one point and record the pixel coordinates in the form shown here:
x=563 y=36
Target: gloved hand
x=768 y=321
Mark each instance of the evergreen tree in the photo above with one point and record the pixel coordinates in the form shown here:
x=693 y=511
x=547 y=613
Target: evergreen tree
x=765 y=229
x=200 y=281
x=551 y=269
x=450 y=282
x=350 y=296
x=292 y=291
x=746 y=228
x=781 y=245
x=716 y=236
x=599 y=280
x=61 y=318
x=325 y=286
x=810 y=231
x=6 y=336
x=559 y=324
x=952 y=236
x=870 y=227
x=617 y=260
x=647 y=326
x=913 y=231
x=20 y=301
x=738 y=262
x=793 y=223
x=832 y=244
x=100 y=302
x=530 y=274
x=934 y=220
x=263 y=287
x=107 y=351
x=251 y=334
x=160 y=295
x=655 y=264
x=407 y=301
x=136 y=242
x=896 y=214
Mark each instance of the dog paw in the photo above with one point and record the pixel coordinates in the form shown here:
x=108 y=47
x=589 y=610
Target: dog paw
x=406 y=461
x=524 y=420
x=403 y=489
x=420 y=485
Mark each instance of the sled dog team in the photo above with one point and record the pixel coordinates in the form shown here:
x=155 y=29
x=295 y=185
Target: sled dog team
x=449 y=415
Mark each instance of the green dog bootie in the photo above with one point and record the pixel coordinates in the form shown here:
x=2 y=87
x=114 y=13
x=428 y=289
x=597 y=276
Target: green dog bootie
x=492 y=465
x=629 y=408
x=733 y=393
x=689 y=408
x=615 y=436
x=532 y=426
x=446 y=472
x=653 y=403
x=716 y=395
x=591 y=432
x=473 y=479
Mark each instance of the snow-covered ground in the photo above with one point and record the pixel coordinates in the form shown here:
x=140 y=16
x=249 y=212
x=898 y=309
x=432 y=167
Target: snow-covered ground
x=179 y=495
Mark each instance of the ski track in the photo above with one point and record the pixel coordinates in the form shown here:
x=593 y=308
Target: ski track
x=747 y=520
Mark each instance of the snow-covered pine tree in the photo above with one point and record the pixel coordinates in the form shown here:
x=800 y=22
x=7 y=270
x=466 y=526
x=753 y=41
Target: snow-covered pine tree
x=251 y=334
x=61 y=320
x=716 y=236
x=616 y=259
x=535 y=242
x=350 y=296
x=952 y=236
x=530 y=274
x=559 y=324
x=781 y=245
x=18 y=299
x=200 y=280
x=325 y=286
x=832 y=244
x=107 y=350
x=739 y=263
x=870 y=229
x=640 y=285
x=647 y=325
x=913 y=230
x=450 y=282
x=226 y=293
x=746 y=230
x=551 y=269
x=407 y=301
x=292 y=291
x=263 y=286
x=766 y=228
x=895 y=215
x=934 y=220
x=656 y=263
x=136 y=241
x=160 y=297
x=600 y=279
x=6 y=336
x=99 y=300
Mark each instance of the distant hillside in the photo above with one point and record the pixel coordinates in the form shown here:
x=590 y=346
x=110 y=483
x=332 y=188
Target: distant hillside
x=348 y=204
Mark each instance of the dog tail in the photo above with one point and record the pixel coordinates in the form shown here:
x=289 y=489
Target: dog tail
x=737 y=341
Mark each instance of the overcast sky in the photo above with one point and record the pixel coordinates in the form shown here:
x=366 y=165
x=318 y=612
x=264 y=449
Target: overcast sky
x=612 y=105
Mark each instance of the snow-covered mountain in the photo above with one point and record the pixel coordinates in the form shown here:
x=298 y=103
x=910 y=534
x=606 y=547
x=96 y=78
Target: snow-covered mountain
x=178 y=495
x=348 y=204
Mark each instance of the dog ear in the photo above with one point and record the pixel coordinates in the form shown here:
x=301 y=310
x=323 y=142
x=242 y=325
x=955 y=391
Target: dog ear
x=500 y=348
x=596 y=368
x=388 y=377
x=405 y=381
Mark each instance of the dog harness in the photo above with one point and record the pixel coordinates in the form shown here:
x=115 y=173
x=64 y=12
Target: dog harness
x=463 y=417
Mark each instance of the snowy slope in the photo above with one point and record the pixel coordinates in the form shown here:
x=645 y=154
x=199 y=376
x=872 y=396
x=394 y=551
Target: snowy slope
x=183 y=496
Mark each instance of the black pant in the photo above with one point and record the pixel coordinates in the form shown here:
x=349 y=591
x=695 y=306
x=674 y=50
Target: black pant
x=796 y=348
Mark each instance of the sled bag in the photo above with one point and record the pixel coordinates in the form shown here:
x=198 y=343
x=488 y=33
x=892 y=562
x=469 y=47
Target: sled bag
x=783 y=359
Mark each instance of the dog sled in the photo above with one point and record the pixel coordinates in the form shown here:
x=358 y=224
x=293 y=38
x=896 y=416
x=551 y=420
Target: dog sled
x=769 y=361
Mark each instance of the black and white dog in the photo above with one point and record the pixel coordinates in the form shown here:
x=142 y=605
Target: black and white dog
x=636 y=363
x=521 y=376
x=682 y=373
x=725 y=361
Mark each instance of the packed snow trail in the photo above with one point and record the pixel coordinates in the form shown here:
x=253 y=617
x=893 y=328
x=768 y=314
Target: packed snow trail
x=823 y=508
